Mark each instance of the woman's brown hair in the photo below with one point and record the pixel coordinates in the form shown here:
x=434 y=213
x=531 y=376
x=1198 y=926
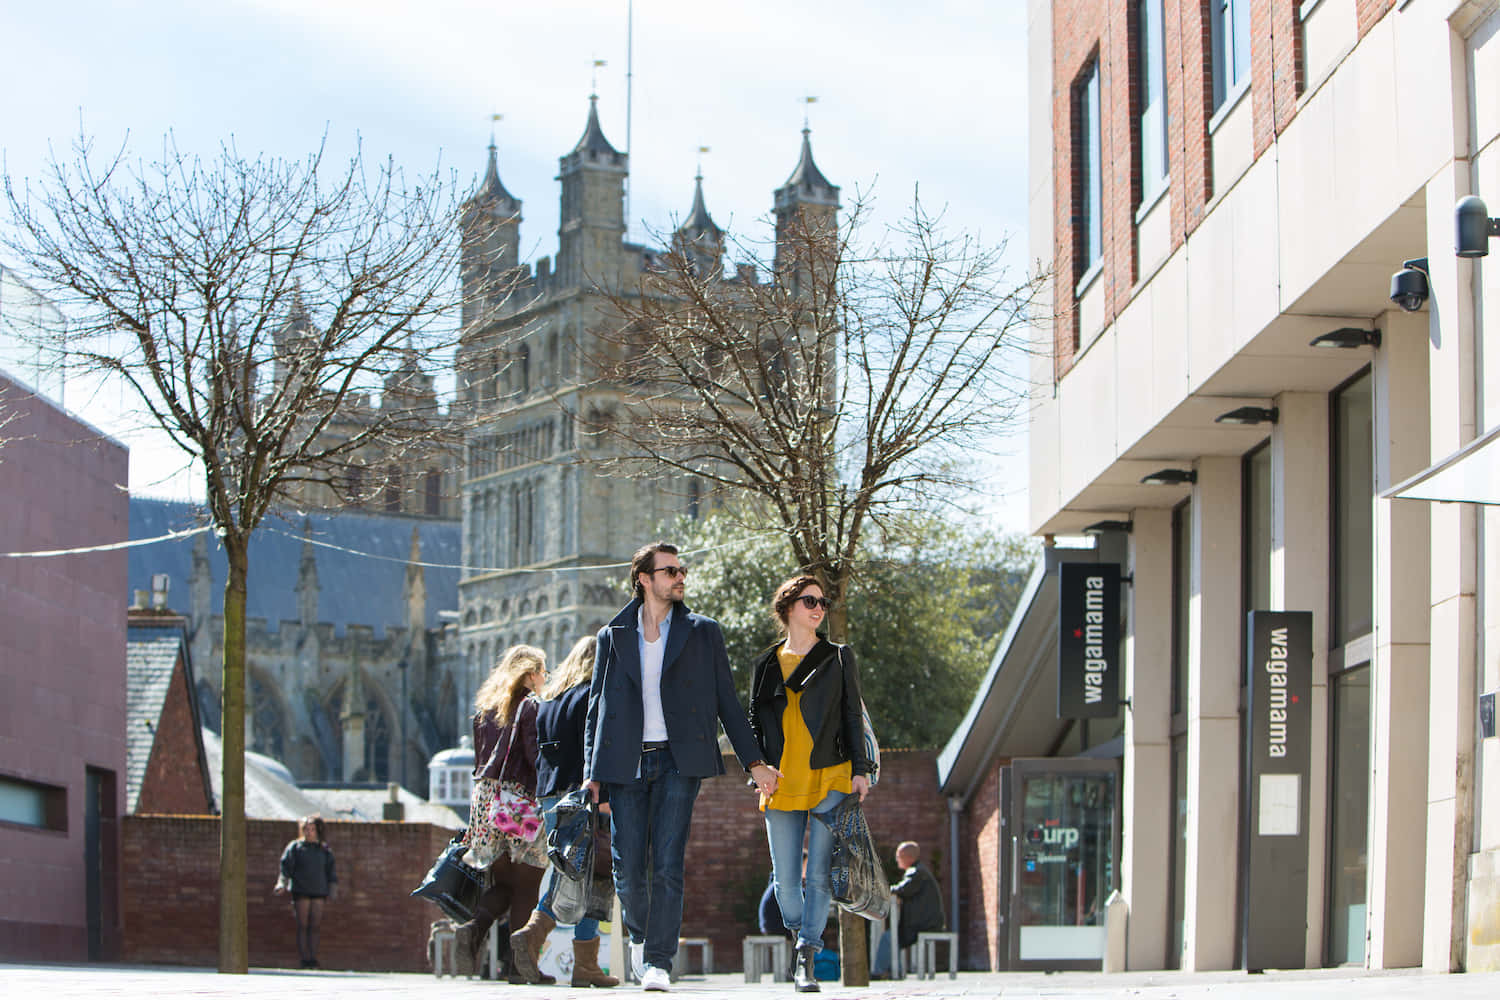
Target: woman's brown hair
x=576 y=667
x=787 y=594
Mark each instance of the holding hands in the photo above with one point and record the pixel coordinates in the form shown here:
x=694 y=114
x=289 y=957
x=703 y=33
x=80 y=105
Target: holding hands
x=766 y=778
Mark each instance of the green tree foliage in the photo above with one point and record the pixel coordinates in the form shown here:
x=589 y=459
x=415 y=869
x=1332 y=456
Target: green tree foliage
x=924 y=615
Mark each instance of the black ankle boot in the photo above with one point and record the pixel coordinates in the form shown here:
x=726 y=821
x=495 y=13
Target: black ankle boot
x=802 y=977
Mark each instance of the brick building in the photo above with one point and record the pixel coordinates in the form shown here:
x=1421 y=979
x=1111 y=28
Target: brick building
x=1252 y=425
x=62 y=690
x=166 y=767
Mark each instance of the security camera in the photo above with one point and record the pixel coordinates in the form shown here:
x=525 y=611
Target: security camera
x=1473 y=227
x=1409 y=285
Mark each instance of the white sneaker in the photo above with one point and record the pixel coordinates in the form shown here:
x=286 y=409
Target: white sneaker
x=637 y=958
x=655 y=980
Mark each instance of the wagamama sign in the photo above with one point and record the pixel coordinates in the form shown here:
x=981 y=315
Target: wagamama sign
x=1088 y=645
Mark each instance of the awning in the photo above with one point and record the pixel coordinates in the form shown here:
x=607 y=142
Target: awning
x=1469 y=475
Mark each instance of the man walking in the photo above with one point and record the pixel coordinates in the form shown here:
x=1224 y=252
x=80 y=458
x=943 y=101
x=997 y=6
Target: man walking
x=661 y=686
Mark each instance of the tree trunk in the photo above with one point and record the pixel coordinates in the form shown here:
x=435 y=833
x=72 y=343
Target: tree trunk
x=854 y=952
x=234 y=933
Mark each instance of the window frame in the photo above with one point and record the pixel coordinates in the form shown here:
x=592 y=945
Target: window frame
x=1088 y=194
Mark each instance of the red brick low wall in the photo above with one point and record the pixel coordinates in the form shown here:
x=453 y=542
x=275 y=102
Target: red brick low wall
x=728 y=860
x=171 y=876
x=171 y=892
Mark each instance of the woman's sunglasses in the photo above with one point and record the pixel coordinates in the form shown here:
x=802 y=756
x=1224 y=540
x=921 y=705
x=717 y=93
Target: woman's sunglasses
x=809 y=602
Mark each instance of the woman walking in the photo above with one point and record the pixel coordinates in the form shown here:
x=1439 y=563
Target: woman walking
x=307 y=873
x=559 y=770
x=806 y=709
x=505 y=752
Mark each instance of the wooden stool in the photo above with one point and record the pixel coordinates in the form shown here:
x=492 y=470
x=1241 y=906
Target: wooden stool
x=775 y=949
x=926 y=949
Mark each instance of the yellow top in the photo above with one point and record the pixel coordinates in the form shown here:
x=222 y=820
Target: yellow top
x=801 y=786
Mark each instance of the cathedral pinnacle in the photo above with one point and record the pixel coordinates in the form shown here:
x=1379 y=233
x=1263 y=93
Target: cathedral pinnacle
x=807 y=183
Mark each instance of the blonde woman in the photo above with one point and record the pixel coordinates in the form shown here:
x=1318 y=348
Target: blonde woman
x=505 y=747
x=559 y=770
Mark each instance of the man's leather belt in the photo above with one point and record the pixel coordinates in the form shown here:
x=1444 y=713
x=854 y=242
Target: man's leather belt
x=656 y=745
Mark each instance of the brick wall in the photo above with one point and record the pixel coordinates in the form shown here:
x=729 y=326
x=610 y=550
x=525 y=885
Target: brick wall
x=981 y=875
x=175 y=782
x=171 y=877
x=728 y=861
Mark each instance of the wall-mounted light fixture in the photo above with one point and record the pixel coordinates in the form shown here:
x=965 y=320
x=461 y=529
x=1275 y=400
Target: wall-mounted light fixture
x=1170 y=477
x=1103 y=527
x=1249 y=415
x=1473 y=227
x=1346 y=336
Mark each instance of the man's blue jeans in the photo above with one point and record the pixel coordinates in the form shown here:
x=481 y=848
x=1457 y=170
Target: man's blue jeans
x=650 y=817
x=804 y=898
x=586 y=929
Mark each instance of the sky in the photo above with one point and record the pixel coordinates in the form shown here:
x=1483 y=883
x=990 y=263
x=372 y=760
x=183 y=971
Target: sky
x=929 y=97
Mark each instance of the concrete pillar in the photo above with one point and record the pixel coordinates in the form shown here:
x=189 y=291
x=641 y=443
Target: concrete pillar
x=1213 y=752
x=1146 y=860
x=1299 y=582
x=1400 y=654
x=1452 y=657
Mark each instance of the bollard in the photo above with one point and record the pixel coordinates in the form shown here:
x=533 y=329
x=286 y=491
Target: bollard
x=1116 y=920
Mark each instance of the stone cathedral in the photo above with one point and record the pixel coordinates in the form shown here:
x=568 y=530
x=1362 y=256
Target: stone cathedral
x=546 y=538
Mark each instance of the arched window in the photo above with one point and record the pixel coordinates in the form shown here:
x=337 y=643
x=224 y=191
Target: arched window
x=434 y=492
x=268 y=728
x=393 y=489
x=523 y=370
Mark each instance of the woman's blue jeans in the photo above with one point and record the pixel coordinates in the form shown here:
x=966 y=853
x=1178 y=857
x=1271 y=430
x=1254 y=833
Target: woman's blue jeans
x=586 y=929
x=804 y=899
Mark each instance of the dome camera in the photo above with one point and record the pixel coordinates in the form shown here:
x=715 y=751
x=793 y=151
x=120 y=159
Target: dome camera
x=1473 y=227
x=1409 y=285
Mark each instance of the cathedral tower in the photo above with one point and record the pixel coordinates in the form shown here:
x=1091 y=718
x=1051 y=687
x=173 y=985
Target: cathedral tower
x=591 y=227
x=491 y=226
x=699 y=237
x=806 y=209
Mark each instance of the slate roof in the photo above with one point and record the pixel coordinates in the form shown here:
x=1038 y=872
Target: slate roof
x=354 y=588
x=271 y=793
x=150 y=659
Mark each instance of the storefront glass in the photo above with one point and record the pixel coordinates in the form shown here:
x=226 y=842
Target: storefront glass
x=1066 y=868
x=1350 y=792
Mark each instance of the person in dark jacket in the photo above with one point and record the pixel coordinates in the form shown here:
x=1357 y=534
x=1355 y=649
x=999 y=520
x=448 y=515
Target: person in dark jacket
x=807 y=713
x=308 y=874
x=504 y=705
x=559 y=770
x=921 y=905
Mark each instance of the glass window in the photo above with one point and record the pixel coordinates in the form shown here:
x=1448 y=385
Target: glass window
x=1231 y=48
x=1354 y=510
x=30 y=804
x=1179 y=850
x=1090 y=168
x=1153 y=99
x=1182 y=593
x=1067 y=864
x=1349 y=795
x=1256 y=511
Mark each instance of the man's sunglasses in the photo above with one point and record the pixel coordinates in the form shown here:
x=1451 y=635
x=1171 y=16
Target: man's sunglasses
x=673 y=572
x=809 y=602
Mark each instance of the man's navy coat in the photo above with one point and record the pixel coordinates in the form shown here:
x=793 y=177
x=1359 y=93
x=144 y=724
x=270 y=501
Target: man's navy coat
x=697 y=693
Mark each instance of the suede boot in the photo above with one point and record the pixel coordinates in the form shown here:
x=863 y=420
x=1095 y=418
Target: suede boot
x=526 y=948
x=586 y=971
x=802 y=977
x=468 y=940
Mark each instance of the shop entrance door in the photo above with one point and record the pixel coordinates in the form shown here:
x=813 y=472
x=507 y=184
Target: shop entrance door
x=1059 y=855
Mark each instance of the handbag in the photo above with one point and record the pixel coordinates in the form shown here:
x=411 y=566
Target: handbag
x=451 y=884
x=857 y=879
x=872 y=745
x=514 y=812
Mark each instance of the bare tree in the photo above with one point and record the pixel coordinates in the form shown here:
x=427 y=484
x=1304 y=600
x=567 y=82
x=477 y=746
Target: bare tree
x=861 y=382
x=249 y=304
x=857 y=384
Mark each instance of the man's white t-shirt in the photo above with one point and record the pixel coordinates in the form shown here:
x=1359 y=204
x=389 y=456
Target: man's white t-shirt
x=654 y=724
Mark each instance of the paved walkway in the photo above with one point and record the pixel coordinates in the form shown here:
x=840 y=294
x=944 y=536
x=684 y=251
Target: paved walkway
x=155 y=982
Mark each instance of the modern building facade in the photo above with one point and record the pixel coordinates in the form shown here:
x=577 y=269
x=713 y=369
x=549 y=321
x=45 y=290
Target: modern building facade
x=62 y=682
x=549 y=528
x=1230 y=399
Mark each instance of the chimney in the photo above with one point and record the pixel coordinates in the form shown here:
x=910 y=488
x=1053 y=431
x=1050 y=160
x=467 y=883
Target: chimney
x=393 y=811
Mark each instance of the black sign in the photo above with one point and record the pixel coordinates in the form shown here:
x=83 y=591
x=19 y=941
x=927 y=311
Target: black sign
x=1088 y=642
x=1279 y=735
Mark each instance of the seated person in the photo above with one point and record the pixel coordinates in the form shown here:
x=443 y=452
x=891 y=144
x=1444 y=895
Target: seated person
x=921 y=905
